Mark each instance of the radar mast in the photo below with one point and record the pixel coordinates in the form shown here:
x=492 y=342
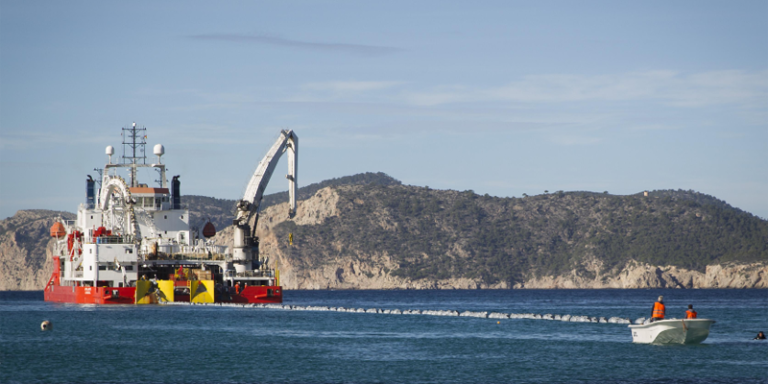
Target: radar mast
x=134 y=140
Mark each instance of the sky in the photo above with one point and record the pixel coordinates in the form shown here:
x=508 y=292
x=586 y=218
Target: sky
x=499 y=97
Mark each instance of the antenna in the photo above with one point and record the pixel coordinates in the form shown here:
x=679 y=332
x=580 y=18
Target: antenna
x=134 y=140
x=160 y=174
x=99 y=174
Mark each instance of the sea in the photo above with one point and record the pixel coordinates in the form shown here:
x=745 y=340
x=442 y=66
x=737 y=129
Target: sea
x=245 y=344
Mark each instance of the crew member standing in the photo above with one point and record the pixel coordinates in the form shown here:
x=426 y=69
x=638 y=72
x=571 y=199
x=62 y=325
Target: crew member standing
x=658 y=310
x=690 y=313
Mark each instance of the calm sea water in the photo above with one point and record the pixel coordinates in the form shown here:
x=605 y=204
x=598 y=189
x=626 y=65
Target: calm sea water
x=202 y=344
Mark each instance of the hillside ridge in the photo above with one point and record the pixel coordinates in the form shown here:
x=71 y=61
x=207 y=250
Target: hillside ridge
x=371 y=231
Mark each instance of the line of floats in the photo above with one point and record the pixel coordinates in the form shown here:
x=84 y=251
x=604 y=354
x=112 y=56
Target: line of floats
x=429 y=312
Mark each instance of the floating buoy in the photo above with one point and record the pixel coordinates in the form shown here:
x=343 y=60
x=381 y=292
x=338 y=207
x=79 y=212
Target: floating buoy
x=498 y=322
x=46 y=325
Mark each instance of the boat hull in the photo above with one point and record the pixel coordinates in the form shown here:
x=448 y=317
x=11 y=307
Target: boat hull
x=108 y=295
x=89 y=295
x=672 y=331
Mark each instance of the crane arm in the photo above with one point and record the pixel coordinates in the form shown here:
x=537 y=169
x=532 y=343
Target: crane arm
x=249 y=205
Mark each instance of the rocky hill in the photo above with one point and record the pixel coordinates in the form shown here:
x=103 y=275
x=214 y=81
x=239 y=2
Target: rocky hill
x=371 y=232
x=399 y=236
x=25 y=240
x=220 y=212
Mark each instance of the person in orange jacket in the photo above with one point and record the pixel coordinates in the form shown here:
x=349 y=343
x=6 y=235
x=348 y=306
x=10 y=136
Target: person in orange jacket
x=690 y=313
x=658 y=310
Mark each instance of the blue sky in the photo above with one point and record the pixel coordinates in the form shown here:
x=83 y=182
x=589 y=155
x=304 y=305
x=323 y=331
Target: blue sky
x=503 y=98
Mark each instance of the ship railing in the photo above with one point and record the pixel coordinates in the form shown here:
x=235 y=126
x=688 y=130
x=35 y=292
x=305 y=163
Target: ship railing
x=202 y=248
x=127 y=239
x=258 y=273
x=187 y=256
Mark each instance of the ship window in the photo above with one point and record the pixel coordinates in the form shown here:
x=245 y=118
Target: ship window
x=166 y=232
x=129 y=267
x=165 y=217
x=90 y=251
x=128 y=250
x=90 y=268
x=102 y=267
x=182 y=217
x=91 y=216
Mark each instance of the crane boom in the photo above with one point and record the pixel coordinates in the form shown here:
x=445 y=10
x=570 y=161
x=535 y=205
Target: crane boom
x=288 y=141
x=245 y=242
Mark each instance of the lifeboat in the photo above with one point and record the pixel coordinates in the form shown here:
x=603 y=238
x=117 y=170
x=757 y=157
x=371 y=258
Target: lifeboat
x=672 y=331
x=57 y=230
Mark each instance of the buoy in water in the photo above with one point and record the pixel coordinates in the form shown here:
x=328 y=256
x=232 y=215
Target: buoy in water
x=498 y=322
x=46 y=325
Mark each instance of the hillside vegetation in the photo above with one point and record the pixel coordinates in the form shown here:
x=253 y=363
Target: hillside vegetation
x=442 y=235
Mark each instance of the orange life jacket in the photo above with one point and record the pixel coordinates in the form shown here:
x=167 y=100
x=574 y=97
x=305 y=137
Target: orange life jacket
x=690 y=314
x=658 y=310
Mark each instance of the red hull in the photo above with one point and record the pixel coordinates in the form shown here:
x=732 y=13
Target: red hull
x=106 y=295
x=90 y=295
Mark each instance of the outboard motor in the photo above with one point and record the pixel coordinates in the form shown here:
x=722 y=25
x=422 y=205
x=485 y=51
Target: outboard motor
x=176 y=193
x=90 y=198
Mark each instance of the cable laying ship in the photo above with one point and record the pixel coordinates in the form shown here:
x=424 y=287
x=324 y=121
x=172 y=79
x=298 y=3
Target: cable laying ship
x=132 y=244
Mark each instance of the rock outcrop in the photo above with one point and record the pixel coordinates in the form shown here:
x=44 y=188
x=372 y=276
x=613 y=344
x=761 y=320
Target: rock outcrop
x=346 y=268
x=635 y=275
x=25 y=249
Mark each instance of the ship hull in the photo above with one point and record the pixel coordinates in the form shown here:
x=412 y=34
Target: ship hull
x=107 y=295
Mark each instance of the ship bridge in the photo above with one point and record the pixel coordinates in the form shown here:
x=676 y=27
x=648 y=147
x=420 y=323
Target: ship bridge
x=151 y=199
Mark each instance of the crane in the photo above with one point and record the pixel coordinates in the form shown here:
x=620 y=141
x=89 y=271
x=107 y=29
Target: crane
x=246 y=245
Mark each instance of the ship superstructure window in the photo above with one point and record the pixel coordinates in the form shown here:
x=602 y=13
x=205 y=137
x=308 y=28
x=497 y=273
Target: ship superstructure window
x=165 y=217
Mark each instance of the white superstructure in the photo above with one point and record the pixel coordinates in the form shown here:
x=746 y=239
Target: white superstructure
x=128 y=228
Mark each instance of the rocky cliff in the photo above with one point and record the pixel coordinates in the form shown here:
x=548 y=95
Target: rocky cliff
x=25 y=249
x=323 y=257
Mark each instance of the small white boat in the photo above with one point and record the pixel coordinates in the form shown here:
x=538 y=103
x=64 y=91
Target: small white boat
x=672 y=331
